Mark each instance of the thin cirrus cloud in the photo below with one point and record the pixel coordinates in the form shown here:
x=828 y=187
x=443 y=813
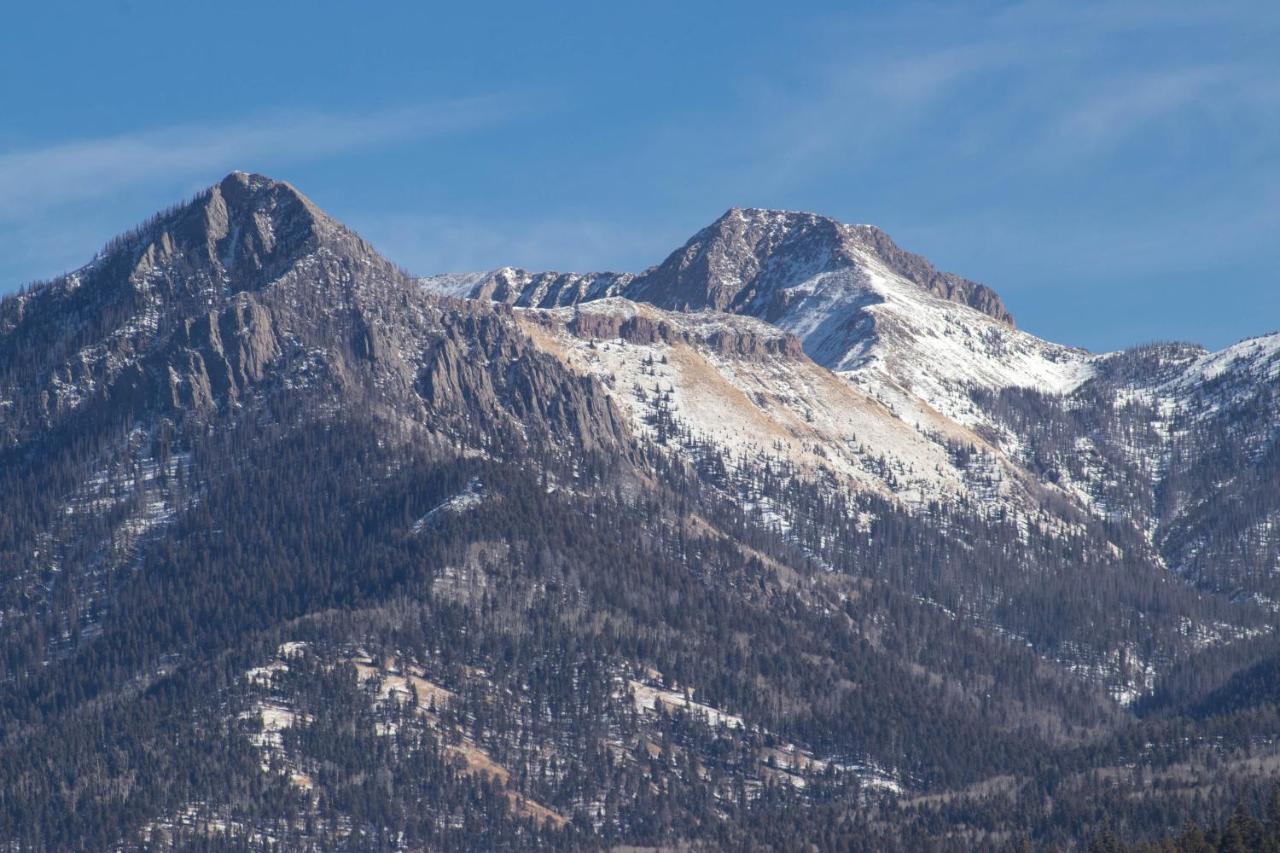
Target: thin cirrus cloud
x=36 y=181
x=1123 y=107
x=434 y=243
x=1031 y=85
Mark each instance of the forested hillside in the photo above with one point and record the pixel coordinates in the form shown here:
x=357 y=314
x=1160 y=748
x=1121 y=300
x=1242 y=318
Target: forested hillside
x=299 y=552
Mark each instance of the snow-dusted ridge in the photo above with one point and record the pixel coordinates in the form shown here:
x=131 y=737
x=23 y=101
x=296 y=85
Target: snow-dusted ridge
x=1244 y=364
x=459 y=285
x=858 y=304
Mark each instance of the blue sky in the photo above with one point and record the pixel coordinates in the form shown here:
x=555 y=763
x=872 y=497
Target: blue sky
x=1112 y=169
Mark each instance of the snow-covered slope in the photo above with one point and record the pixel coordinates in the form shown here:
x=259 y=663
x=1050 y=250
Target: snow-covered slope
x=897 y=341
x=747 y=388
x=1216 y=379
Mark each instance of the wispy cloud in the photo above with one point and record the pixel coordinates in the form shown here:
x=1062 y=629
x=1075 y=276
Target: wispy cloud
x=1036 y=142
x=915 y=79
x=1121 y=106
x=35 y=181
x=1035 y=80
x=426 y=243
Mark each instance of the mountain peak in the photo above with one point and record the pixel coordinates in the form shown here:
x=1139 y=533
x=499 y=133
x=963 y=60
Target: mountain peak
x=750 y=255
x=237 y=234
x=233 y=260
x=773 y=226
x=248 y=192
x=251 y=179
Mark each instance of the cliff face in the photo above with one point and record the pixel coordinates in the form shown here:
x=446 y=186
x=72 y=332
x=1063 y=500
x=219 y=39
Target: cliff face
x=600 y=322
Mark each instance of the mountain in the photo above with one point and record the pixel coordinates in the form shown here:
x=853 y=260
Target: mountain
x=250 y=289
x=859 y=305
x=788 y=540
x=733 y=264
x=1060 y=431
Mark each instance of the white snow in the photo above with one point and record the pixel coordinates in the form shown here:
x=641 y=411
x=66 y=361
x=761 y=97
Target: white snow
x=647 y=698
x=471 y=495
x=790 y=762
x=1258 y=358
x=781 y=406
x=456 y=284
x=903 y=344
